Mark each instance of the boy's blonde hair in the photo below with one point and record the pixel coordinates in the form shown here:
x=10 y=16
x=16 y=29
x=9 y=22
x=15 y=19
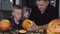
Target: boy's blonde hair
x=17 y=7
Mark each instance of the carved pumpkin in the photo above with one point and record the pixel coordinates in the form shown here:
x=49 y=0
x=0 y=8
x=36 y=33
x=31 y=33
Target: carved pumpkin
x=27 y=24
x=54 y=27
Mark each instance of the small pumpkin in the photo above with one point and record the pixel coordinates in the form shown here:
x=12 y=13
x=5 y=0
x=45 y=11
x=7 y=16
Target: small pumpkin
x=22 y=31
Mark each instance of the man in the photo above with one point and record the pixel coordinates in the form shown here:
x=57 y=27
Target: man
x=42 y=14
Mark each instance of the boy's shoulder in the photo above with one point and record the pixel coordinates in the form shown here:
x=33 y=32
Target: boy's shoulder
x=12 y=19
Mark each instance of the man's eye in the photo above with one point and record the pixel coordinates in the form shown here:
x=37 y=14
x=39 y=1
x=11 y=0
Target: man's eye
x=42 y=0
x=45 y=0
x=38 y=0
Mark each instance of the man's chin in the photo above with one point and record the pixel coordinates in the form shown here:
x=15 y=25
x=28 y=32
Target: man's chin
x=41 y=9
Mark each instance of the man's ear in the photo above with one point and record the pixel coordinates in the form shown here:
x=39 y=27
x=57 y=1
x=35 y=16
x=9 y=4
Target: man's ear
x=48 y=2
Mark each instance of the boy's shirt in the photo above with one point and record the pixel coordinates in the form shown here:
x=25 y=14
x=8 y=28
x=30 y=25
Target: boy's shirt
x=14 y=25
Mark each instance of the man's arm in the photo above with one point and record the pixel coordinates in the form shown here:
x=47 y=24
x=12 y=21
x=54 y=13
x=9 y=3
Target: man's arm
x=35 y=27
x=43 y=27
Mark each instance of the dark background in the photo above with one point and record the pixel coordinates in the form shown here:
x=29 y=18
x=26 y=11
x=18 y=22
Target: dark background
x=6 y=6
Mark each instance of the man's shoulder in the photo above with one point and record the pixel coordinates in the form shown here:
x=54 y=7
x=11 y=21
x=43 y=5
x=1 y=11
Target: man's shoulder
x=34 y=7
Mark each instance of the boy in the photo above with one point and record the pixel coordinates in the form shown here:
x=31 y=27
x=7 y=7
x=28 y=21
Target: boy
x=16 y=18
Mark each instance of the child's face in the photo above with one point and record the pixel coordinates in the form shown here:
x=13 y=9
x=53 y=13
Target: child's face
x=26 y=14
x=17 y=13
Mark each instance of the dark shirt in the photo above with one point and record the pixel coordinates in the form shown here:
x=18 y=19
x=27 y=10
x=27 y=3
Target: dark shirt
x=14 y=25
x=42 y=19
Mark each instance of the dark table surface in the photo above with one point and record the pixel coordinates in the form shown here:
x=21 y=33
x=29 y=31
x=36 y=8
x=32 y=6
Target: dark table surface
x=16 y=32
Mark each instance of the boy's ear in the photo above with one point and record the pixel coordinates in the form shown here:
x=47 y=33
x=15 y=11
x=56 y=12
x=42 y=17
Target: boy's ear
x=12 y=13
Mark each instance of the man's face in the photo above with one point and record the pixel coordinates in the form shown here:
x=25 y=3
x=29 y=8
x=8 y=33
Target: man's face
x=42 y=4
x=17 y=13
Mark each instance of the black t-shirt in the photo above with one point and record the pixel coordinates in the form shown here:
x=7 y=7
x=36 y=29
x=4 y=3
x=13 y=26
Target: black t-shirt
x=42 y=19
x=14 y=25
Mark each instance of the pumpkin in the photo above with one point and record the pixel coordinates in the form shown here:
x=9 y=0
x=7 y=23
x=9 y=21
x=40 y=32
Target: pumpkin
x=54 y=27
x=5 y=25
x=22 y=31
x=27 y=24
x=0 y=26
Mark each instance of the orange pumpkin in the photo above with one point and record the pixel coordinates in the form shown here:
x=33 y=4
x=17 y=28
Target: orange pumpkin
x=27 y=24
x=54 y=27
x=5 y=25
x=0 y=25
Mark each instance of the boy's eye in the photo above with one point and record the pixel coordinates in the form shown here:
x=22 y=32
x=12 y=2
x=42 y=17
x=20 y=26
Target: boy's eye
x=18 y=13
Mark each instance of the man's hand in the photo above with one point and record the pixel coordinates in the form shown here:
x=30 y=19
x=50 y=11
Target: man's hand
x=34 y=28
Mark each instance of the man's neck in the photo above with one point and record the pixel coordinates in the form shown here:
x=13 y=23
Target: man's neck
x=16 y=21
x=42 y=11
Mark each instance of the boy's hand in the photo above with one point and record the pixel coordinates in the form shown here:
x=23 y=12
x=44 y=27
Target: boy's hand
x=34 y=28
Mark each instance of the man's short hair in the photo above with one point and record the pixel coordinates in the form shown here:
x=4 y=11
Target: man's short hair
x=45 y=0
